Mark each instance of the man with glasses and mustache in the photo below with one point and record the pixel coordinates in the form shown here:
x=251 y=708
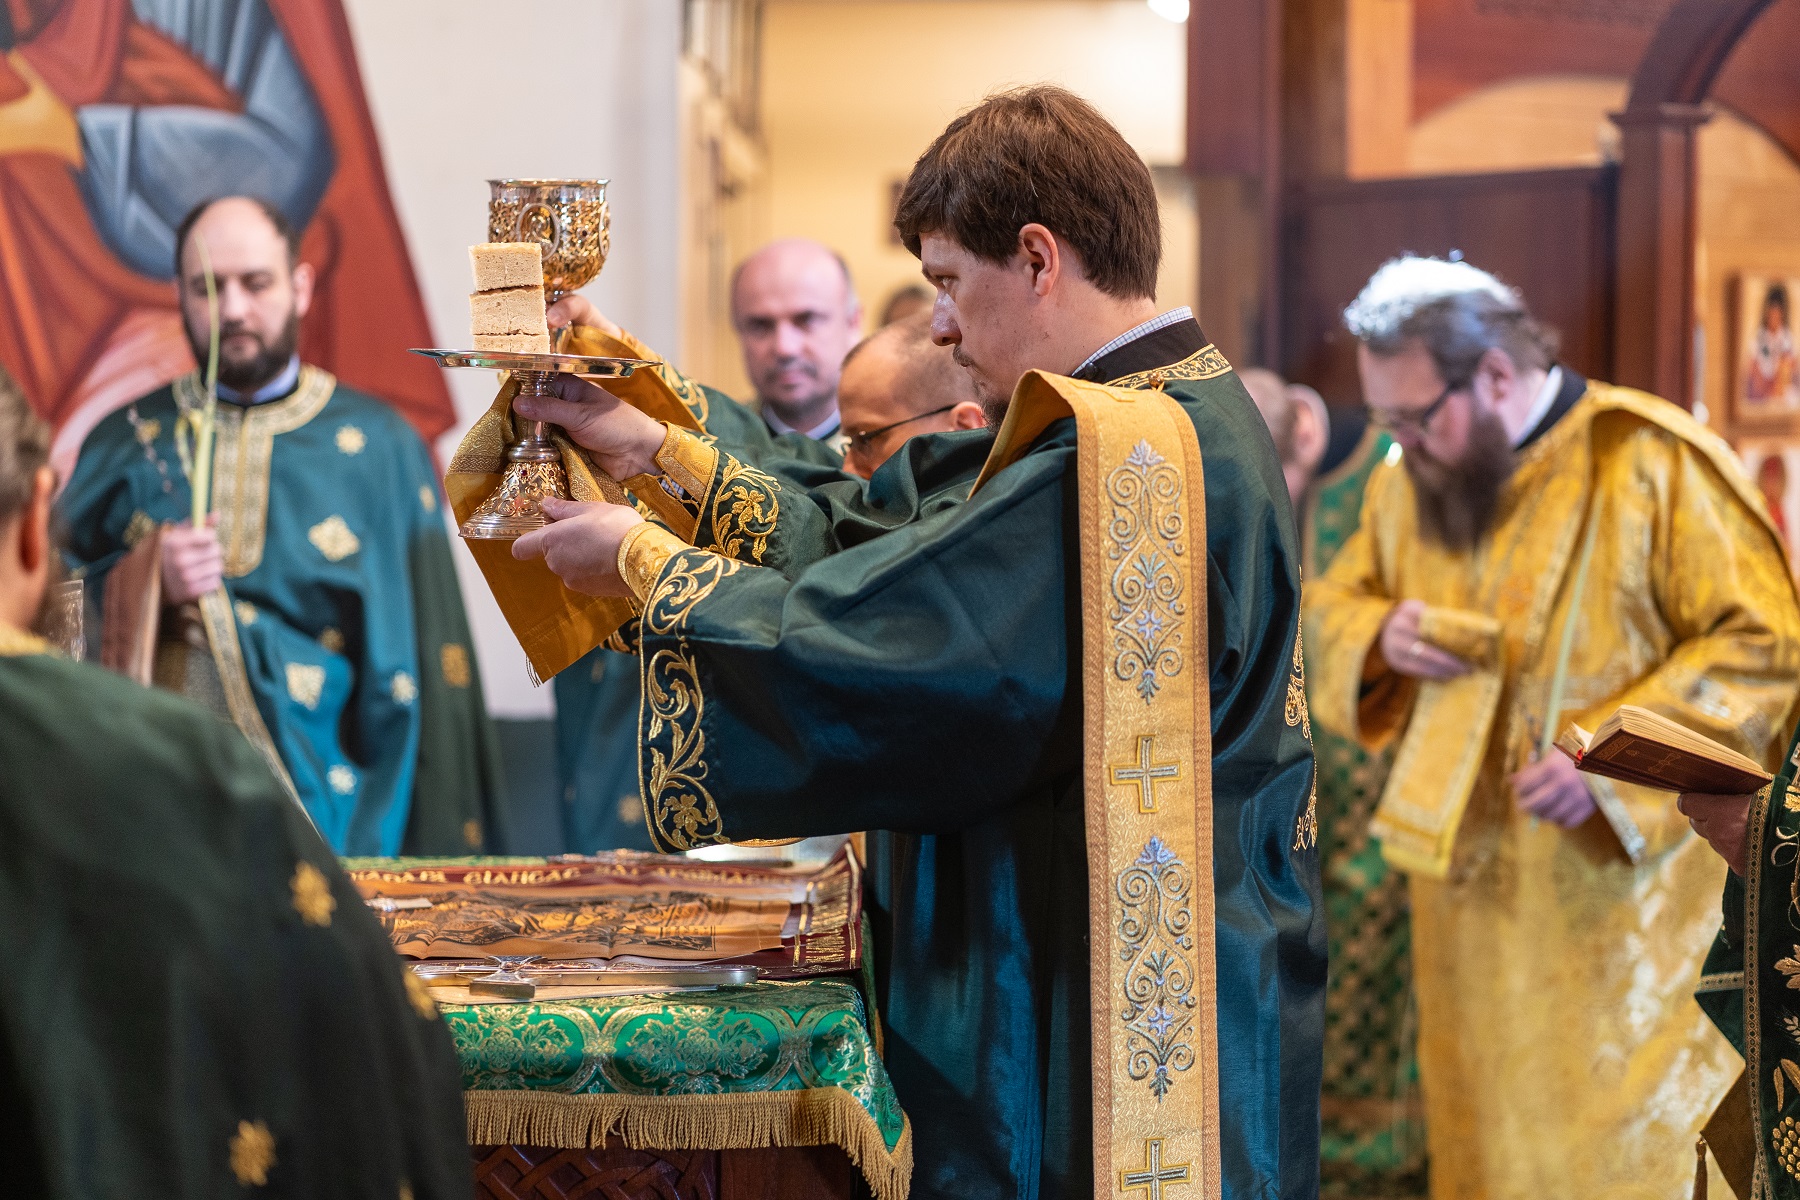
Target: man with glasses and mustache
x=316 y=606
x=1540 y=550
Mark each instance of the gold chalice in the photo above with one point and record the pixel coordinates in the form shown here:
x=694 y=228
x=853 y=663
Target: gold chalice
x=569 y=219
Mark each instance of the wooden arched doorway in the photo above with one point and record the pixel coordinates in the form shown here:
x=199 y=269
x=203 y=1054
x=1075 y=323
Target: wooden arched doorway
x=1658 y=186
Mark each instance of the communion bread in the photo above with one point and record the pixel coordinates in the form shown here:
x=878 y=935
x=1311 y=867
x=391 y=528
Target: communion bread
x=513 y=343
x=507 y=265
x=513 y=310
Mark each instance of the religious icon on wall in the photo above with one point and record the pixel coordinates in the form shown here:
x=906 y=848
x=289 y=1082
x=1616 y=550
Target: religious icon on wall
x=1766 y=382
x=1774 y=467
x=116 y=118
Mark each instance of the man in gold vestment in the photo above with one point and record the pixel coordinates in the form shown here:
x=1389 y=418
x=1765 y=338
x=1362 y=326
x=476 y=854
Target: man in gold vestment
x=1544 y=550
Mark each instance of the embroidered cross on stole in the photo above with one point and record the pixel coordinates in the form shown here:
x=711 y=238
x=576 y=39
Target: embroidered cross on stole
x=1147 y=780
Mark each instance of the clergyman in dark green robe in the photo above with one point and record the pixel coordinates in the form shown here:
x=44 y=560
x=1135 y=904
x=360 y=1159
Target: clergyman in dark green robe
x=195 y=1001
x=908 y=661
x=345 y=602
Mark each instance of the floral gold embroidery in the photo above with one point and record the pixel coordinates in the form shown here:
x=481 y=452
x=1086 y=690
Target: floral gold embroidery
x=312 y=895
x=681 y=809
x=1204 y=363
x=454 y=660
x=333 y=538
x=305 y=683
x=691 y=579
x=745 y=509
x=341 y=778
x=332 y=639
x=419 y=995
x=403 y=689
x=252 y=1153
x=148 y=431
x=1144 y=536
x=1790 y=966
x=350 y=440
x=246 y=612
x=472 y=833
x=138 y=528
x=1156 y=938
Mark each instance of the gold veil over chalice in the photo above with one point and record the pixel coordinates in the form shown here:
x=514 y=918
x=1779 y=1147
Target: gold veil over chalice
x=569 y=220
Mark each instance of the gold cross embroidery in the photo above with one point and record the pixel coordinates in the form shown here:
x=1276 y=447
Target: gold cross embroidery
x=1154 y=1175
x=1145 y=774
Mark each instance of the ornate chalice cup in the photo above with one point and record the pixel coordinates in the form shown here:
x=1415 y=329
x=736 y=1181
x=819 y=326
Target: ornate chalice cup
x=569 y=219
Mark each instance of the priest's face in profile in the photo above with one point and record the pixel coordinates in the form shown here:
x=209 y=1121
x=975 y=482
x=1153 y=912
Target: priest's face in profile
x=1455 y=447
x=996 y=316
x=262 y=292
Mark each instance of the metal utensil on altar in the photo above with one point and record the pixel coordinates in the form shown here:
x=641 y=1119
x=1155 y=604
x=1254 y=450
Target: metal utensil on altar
x=570 y=221
x=517 y=977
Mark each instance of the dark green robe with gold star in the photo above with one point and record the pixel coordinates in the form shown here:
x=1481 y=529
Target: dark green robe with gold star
x=905 y=658
x=345 y=610
x=194 y=1000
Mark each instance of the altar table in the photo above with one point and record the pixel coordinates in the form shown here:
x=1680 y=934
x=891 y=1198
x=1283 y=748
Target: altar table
x=770 y=1090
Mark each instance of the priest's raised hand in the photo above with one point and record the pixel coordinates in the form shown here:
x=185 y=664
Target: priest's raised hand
x=581 y=544
x=622 y=440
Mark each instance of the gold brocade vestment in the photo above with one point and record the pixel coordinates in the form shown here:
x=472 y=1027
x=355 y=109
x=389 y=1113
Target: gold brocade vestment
x=1560 y=1049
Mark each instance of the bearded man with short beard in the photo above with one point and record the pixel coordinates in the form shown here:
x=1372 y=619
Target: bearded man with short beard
x=317 y=607
x=1541 y=550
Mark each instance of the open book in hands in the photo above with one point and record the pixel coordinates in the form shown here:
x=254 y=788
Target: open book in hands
x=1638 y=746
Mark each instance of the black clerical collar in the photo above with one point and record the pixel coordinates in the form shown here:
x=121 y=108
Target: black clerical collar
x=277 y=388
x=1573 y=388
x=1159 y=348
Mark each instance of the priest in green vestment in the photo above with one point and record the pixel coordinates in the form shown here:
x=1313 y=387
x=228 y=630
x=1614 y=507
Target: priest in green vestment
x=196 y=1002
x=819 y=660
x=320 y=609
x=1750 y=984
x=1372 y=1133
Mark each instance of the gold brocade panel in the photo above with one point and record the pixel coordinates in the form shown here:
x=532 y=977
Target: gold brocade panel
x=1560 y=1048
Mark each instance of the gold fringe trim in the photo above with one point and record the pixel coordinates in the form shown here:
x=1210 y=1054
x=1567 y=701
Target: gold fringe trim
x=744 y=1121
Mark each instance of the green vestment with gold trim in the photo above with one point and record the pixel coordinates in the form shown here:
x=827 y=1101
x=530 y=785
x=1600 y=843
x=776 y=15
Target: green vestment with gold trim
x=344 y=608
x=903 y=658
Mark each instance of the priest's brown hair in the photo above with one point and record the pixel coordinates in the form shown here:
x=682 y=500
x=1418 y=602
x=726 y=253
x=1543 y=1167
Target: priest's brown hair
x=1039 y=155
x=24 y=447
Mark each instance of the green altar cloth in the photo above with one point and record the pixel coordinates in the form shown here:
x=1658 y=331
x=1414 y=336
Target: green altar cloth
x=770 y=1064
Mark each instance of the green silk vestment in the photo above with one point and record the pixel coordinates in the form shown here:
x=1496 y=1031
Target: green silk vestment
x=902 y=659
x=1750 y=987
x=597 y=698
x=347 y=610
x=1372 y=1135
x=196 y=1002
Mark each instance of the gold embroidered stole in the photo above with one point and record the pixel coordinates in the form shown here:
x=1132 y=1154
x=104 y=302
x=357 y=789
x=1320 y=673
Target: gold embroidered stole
x=1147 y=778
x=243 y=456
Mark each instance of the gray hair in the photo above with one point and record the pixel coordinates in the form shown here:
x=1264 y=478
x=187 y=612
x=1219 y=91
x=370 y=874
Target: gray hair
x=24 y=447
x=1456 y=311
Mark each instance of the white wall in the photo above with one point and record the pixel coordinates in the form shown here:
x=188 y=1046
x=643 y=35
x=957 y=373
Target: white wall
x=467 y=90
